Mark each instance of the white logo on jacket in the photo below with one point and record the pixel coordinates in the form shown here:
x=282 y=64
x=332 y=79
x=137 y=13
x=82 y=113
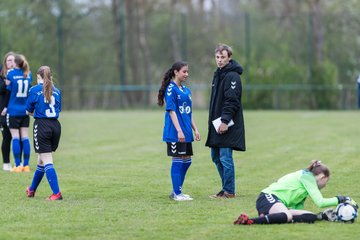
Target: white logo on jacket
x=233 y=85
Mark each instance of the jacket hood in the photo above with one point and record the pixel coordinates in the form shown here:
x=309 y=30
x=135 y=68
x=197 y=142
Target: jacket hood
x=232 y=66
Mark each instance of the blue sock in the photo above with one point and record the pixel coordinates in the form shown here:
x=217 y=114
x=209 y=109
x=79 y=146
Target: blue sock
x=185 y=166
x=26 y=150
x=38 y=175
x=176 y=175
x=16 y=151
x=52 y=178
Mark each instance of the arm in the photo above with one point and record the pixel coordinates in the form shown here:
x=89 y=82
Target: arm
x=194 y=127
x=6 y=102
x=232 y=97
x=30 y=103
x=175 y=121
x=311 y=187
x=2 y=86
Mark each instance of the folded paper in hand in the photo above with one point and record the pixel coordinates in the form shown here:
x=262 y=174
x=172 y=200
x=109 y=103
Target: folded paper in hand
x=217 y=123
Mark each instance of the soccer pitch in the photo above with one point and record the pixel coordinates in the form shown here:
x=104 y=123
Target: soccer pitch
x=115 y=178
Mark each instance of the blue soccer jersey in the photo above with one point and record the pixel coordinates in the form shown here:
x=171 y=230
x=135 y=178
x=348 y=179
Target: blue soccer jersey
x=19 y=88
x=179 y=101
x=37 y=104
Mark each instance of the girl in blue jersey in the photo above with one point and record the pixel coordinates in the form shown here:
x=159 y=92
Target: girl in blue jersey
x=179 y=125
x=44 y=103
x=283 y=201
x=8 y=63
x=19 y=80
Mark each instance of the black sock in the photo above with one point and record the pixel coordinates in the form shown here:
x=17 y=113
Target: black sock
x=271 y=219
x=305 y=218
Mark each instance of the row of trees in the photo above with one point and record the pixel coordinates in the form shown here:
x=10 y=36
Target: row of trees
x=111 y=54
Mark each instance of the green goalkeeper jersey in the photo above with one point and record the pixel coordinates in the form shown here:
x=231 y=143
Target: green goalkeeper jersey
x=292 y=189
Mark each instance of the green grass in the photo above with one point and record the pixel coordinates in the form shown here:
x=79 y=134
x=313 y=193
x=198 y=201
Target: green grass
x=114 y=175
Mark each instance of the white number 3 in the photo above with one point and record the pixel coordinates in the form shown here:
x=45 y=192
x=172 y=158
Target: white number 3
x=51 y=112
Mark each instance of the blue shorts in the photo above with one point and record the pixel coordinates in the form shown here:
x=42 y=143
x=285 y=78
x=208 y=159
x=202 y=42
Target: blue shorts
x=264 y=202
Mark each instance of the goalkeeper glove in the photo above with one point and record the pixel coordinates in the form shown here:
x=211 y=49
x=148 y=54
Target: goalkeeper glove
x=348 y=200
x=342 y=199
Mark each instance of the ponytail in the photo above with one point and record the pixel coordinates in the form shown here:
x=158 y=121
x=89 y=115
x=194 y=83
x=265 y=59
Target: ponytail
x=46 y=75
x=22 y=63
x=165 y=82
x=167 y=79
x=316 y=167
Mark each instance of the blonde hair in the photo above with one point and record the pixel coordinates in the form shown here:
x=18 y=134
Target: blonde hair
x=4 y=69
x=46 y=75
x=316 y=167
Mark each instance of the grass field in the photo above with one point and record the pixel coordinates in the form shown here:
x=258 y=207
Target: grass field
x=114 y=175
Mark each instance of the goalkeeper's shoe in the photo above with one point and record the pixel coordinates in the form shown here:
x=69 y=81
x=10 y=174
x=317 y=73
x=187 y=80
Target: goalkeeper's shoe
x=328 y=215
x=55 y=197
x=243 y=219
x=29 y=192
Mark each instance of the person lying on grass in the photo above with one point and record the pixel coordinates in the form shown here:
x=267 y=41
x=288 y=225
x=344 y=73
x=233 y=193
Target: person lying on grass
x=283 y=201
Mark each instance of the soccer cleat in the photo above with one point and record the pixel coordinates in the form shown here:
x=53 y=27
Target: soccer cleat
x=171 y=196
x=181 y=197
x=55 y=197
x=26 y=168
x=30 y=193
x=328 y=215
x=17 y=169
x=243 y=219
x=7 y=167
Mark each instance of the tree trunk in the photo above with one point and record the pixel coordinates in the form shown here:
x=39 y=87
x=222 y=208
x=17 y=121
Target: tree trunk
x=144 y=47
x=134 y=58
x=173 y=31
x=317 y=30
x=119 y=45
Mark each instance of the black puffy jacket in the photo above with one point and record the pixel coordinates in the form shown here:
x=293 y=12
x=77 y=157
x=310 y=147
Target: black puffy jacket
x=225 y=102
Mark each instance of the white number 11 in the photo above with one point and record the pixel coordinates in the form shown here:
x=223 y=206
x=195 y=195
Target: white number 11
x=23 y=86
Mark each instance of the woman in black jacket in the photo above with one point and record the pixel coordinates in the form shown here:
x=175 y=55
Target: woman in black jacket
x=8 y=63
